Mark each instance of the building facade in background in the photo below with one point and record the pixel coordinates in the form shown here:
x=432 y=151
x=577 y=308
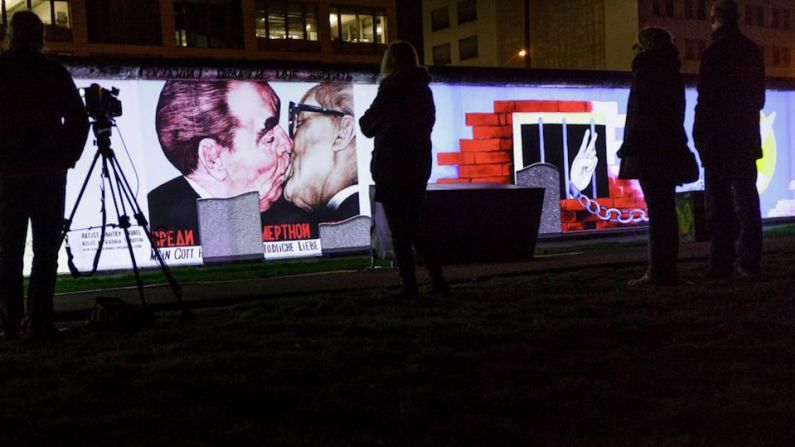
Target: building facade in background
x=592 y=34
x=354 y=31
x=770 y=23
x=473 y=32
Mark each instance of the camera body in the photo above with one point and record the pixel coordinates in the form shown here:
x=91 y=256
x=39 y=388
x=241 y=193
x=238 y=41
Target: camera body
x=102 y=103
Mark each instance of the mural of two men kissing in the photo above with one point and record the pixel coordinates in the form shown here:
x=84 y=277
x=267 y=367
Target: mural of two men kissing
x=229 y=137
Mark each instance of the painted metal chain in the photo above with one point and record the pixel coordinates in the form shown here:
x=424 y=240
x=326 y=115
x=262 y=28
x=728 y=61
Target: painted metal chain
x=634 y=215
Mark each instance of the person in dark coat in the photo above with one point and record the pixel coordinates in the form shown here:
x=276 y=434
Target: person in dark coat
x=731 y=93
x=654 y=144
x=43 y=130
x=401 y=119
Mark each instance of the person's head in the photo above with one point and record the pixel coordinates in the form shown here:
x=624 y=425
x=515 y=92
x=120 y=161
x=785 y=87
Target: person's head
x=227 y=133
x=652 y=38
x=724 y=12
x=26 y=31
x=400 y=56
x=324 y=137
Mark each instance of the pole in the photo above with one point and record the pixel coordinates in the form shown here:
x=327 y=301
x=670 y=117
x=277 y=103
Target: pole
x=527 y=63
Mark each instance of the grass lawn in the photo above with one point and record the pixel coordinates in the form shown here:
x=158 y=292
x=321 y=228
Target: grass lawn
x=563 y=359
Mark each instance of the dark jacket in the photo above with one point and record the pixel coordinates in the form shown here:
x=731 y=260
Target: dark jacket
x=731 y=92
x=654 y=134
x=43 y=123
x=401 y=119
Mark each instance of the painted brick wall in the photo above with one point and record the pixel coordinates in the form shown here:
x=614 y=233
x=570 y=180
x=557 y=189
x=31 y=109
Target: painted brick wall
x=488 y=157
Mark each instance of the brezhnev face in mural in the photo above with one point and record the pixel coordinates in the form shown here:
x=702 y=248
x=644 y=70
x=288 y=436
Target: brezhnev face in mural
x=225 y=139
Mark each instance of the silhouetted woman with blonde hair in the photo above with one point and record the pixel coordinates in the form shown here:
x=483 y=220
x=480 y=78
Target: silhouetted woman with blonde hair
x=401 y=119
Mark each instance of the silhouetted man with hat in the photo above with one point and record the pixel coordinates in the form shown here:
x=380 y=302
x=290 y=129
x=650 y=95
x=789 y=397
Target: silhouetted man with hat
x=43 y=129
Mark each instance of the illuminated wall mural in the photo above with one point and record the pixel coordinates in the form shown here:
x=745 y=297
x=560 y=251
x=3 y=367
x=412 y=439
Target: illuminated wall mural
x=292 y=137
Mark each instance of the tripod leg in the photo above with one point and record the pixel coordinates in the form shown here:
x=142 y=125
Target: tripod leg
x=129 y=195
x=124 y=222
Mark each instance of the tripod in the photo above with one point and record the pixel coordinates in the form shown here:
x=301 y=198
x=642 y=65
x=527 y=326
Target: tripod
x=123 y=199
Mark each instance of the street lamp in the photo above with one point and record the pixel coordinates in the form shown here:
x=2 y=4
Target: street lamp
x=521 y=53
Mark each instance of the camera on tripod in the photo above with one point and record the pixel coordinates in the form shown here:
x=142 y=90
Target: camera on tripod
x=102 y=103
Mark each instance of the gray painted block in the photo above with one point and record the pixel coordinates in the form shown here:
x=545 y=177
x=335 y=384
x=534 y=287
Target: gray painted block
x=230 y=229
x=352 y=234
x=547 y=176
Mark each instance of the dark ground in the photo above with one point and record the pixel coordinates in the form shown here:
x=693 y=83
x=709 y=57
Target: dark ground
x=571 y=358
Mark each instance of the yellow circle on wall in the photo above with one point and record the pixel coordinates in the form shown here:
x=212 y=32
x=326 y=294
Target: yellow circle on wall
x=766 y=165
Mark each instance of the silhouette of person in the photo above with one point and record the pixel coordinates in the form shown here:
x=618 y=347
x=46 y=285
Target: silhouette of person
x=43 y=130
x=654 y=139
x=731 y=93
x=401 y=119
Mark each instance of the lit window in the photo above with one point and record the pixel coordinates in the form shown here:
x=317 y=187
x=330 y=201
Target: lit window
x=56 y=15
x=364 y=28
x=286 y=26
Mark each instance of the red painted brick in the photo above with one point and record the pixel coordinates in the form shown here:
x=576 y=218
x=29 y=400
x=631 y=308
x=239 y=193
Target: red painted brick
x=450 y=158
x=485 y=133
x=504 y=179
x=452 y=180
x=492 y=157
x=568 y=216
x=536 y=106
x=493 y=144
x=506 y=119
x=504 y=106
x=489 y=170
x=456 y=158
x=615 y=190
x=605 y=202
x=574 y=106
x=570 y=205
x=506 y=143
x=626 y=203
x=573 y=227
x=483 y=119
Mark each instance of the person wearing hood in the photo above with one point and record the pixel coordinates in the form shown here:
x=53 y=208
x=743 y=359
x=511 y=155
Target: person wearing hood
x=401 y=119
x=731 y=93
x=655 y=149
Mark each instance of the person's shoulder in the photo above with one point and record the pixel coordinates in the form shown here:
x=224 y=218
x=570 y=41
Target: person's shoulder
x=54 y=66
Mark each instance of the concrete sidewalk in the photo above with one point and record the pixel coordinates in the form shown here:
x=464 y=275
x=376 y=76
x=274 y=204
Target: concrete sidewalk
x=568 y=255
